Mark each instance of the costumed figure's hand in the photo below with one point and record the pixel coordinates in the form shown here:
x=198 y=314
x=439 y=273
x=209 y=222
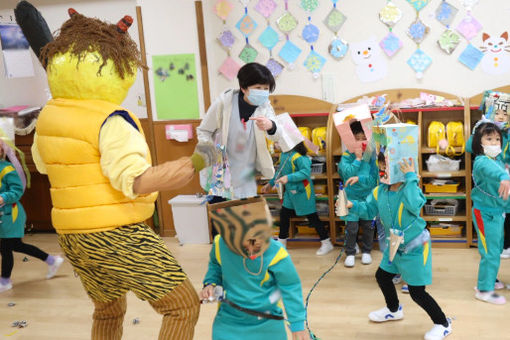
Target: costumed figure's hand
x=351 y=181
x=167 y=176
x=283 y=180
x=263 y=123
x=349 y=205
x=266 y=188
x=358 y=153
x=301 y=335
x=504 y=189
x=207 y=292
x=204 y=155
x=406 y=167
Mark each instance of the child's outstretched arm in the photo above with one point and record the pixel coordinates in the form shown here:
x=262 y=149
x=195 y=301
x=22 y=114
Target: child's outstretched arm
x=349 y=166
x=368 y=207
x=485 y=167
x=14 y=186
x=213 y=277
x=413 y=197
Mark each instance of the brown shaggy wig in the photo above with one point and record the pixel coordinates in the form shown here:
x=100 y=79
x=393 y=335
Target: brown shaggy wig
x=80 y=35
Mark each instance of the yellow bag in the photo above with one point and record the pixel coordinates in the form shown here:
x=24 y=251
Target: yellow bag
x=270 y=146
x=455 y=136
x=436 y=132
x=319 y=137
x=306 y=132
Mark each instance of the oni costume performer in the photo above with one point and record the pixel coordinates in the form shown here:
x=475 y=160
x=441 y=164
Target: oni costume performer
x=256 y=281
x=103 y=186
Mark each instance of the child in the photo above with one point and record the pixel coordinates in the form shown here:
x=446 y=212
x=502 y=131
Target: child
x=253 y=280
x=12 y=225
x=490 y=200
x=398 y=206
x=299 y=196
x=360 y=178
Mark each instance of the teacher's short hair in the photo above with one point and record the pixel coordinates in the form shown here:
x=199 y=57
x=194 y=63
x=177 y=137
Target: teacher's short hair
x=255 y=73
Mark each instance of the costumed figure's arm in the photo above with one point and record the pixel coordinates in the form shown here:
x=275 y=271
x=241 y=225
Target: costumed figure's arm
x=36 y=157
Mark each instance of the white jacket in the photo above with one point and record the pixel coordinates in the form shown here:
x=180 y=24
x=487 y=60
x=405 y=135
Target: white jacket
x=217 y=120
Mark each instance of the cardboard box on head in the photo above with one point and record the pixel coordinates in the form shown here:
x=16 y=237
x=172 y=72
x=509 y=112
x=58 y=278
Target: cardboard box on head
x=291 y=135
x=345 y=118
x=397 y=141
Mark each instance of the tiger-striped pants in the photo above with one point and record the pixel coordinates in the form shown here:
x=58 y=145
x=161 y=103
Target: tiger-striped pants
x=132 y=258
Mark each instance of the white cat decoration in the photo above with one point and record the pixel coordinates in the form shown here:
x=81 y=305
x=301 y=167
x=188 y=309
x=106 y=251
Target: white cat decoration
x=370 y=63
x=496 y=60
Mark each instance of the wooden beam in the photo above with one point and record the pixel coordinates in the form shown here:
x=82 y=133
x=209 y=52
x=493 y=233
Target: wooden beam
x=203 y=55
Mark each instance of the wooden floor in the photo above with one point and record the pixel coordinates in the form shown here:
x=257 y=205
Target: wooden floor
x=60 y=309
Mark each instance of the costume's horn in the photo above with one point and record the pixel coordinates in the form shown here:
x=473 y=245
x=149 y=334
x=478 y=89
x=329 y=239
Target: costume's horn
x=71 y=11
x=124 y=24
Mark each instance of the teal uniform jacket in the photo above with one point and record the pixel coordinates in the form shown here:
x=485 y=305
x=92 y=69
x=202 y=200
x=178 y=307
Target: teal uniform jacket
x=299 y=193
x=13 y=215
x=401 y=210
x=275 y=273
x=368 y=175
x=488 y=217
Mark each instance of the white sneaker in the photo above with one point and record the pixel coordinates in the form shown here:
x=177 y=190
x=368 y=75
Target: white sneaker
x=499 y=285
x=439 y=332
x=326 y=247
x=349 y=261
x=283 y=241
x=5 y=286
x=397 y=279
x=366 y=258
x=384 y=314
x=52 y=269
x=357 y=249
x=490 y=297
x=505 y=254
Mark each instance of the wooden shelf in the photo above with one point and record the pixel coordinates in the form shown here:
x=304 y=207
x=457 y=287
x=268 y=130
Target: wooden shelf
x=434 y=150
x=318 y=114
x=428 y=109
x=456 y=218
x=443 y=174
x=446 y=195
x=336 y=176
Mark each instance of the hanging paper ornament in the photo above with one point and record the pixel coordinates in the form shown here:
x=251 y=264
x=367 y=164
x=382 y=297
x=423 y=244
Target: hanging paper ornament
x=309 y=5
x=246 y=25
x=390 y=44
x=275 y=67
x=469 y=27
x=390 y=14
x=226 y=39
x=229 y=68
x=223 y=9
x=265 y=7
x=419 y=62
x=471 y=57
x=338 y=48
x=310 y=33
x=448 y=41
x=289 y=52
x=418 y=4
x=287 y=23
x=248 y=54
x=335 y=20
x=418 y=31
x=314 y=62
x=469 y=4
x=445 y=13
x=269 y=38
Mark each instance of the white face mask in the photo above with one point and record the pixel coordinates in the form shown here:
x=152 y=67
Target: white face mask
x=492 y=150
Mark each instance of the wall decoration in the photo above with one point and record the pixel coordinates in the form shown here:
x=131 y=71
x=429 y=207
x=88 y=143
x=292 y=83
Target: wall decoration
x=471 y=57
x=370 y=64
x=418 y=4
x=287 y=23
x=247 y=26
x=314 y=61
x=269 y=38
x=334 y=21
x=389 y=16
x=226 y=38
x=469 y=27
x=445 y=13
x=448 y=41
x=419 y=60
x=496 y=59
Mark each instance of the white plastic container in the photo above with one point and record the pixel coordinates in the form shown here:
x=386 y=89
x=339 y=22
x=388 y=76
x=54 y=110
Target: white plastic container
x=190 y=219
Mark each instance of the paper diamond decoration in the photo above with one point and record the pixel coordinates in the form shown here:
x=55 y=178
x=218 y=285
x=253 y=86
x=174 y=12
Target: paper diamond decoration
x=229 y=68
x=418 y=31
x=314 y=62
x=390 y=44
x=246 y=25
x=445 y=13
x=335 y=20
x=269 y=38
x=469 y=27
x=448 y=41
x=338 y=48
x=287 y=23
x=275 y=67
x=226 y=39
x=418 y=4
x=289 y=52
x=419 y=61
x=310 y=33
x=248 y=54
x=390 y=14
x=309 y=5
x=265 y=7
x=223 y=9
x=471 y=57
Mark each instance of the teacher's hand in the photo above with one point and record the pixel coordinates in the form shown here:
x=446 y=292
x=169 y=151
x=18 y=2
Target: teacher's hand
x=263 y=123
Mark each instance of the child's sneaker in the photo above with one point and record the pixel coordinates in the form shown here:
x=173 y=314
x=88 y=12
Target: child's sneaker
x=405 y=288
x=439 y=332
x=499 y=285
x=53 y=268
x=490 y=297
x=326 y=247
x=397 y=279
x=5 y=286
x=505 y=254
x=349 y=261
x=366 y=258
x=384 y=314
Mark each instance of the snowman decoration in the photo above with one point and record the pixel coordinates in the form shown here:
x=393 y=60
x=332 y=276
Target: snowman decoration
x=370 y=63
x=497 y=57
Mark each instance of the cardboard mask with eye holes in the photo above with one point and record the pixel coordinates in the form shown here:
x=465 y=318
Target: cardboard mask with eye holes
x=345 y=118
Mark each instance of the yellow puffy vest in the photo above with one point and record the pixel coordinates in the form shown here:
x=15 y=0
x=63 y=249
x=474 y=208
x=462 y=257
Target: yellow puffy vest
x=83 y=199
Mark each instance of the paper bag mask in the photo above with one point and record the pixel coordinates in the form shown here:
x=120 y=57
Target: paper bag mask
x=344 y=118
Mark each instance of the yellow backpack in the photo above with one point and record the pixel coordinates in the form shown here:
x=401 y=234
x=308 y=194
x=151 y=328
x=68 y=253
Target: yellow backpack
x=306 y=132
x=319 y=137
x=436 y=132
x=455 y=136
